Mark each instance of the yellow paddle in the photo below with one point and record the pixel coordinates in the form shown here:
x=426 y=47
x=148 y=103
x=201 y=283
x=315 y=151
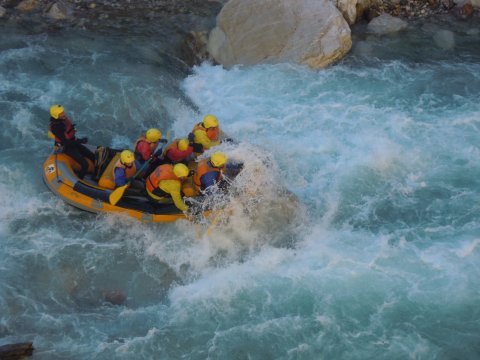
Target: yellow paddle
x=214 y=222
x=117 y=194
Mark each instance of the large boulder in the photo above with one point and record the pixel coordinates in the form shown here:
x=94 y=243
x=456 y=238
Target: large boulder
x=348 y=8
x=353 y=10
x=311 y=32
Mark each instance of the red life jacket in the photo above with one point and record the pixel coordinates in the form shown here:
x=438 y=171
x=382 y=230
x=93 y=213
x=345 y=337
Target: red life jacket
x=212 y=133
x=174 y=154
x=69 y=130
x=147 y=151
x=203 y=168
x=163 y=172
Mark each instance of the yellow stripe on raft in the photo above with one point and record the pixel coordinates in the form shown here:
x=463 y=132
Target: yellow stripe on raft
x=60 y=177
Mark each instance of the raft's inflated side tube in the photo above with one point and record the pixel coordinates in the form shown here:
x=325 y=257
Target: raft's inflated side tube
x=60 y=177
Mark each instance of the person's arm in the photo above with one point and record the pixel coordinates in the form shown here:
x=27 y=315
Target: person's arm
x=58 y=129
x=173 y=187
x=120 y=178
x=234 y=166
x=208 y=179
x=202 y=138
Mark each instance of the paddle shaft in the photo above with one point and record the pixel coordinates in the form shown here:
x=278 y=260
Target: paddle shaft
x=144 y=166
x=117 y=194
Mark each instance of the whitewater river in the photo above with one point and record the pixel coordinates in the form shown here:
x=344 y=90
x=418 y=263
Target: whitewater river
x=356 y=234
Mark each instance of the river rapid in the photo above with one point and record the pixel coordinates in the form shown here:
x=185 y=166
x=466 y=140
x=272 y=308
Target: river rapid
x=355 y=233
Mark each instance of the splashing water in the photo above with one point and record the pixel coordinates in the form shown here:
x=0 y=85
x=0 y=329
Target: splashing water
x=352 y=231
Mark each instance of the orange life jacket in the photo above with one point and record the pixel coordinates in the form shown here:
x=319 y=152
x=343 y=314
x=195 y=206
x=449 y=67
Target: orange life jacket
x=203 y=168
x=163 y=172
x=69 y=130
x=212 y=133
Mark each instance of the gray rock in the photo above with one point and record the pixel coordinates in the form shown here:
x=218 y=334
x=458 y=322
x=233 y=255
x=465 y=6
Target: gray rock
x=115 y=297
x=348 y=9
x=194 y=48
x=386 y=24
x=3 y=11
x=310 y=32
x=475 y=3
x=26 y=5
x=59 y=11
x=352 y=10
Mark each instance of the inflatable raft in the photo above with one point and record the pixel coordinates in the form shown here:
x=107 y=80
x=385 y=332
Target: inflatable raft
x=60 y=177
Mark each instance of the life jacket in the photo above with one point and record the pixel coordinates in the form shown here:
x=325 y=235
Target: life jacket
x=69 y=130
x=129 y=171
x=203 y=168
x=163 y=172
x=212 y=133
x=139 y=156
x=176 y=154
x=107 y=180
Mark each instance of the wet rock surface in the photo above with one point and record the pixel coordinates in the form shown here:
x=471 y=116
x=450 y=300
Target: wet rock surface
x=138 y=16
x=386 y=24
x=183 y=26
x=135 y=16
x=250 y=32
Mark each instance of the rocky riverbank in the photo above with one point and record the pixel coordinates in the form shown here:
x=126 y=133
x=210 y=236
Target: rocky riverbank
x=104 y=15
x=185 y=24
x=179 y=24
x=415 y=9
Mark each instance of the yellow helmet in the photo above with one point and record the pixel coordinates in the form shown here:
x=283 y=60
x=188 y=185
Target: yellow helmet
x=127 y=157
x=56 y=110
x=182 y=144
x=210 y=121
x=218 y=159
x=153 y=135
x=180 y=170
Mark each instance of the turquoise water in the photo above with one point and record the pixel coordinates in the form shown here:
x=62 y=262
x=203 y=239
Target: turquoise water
x=375 y=256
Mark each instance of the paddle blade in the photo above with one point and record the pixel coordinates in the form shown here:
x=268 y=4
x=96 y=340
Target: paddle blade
x=117 y=194
x=214 y=223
